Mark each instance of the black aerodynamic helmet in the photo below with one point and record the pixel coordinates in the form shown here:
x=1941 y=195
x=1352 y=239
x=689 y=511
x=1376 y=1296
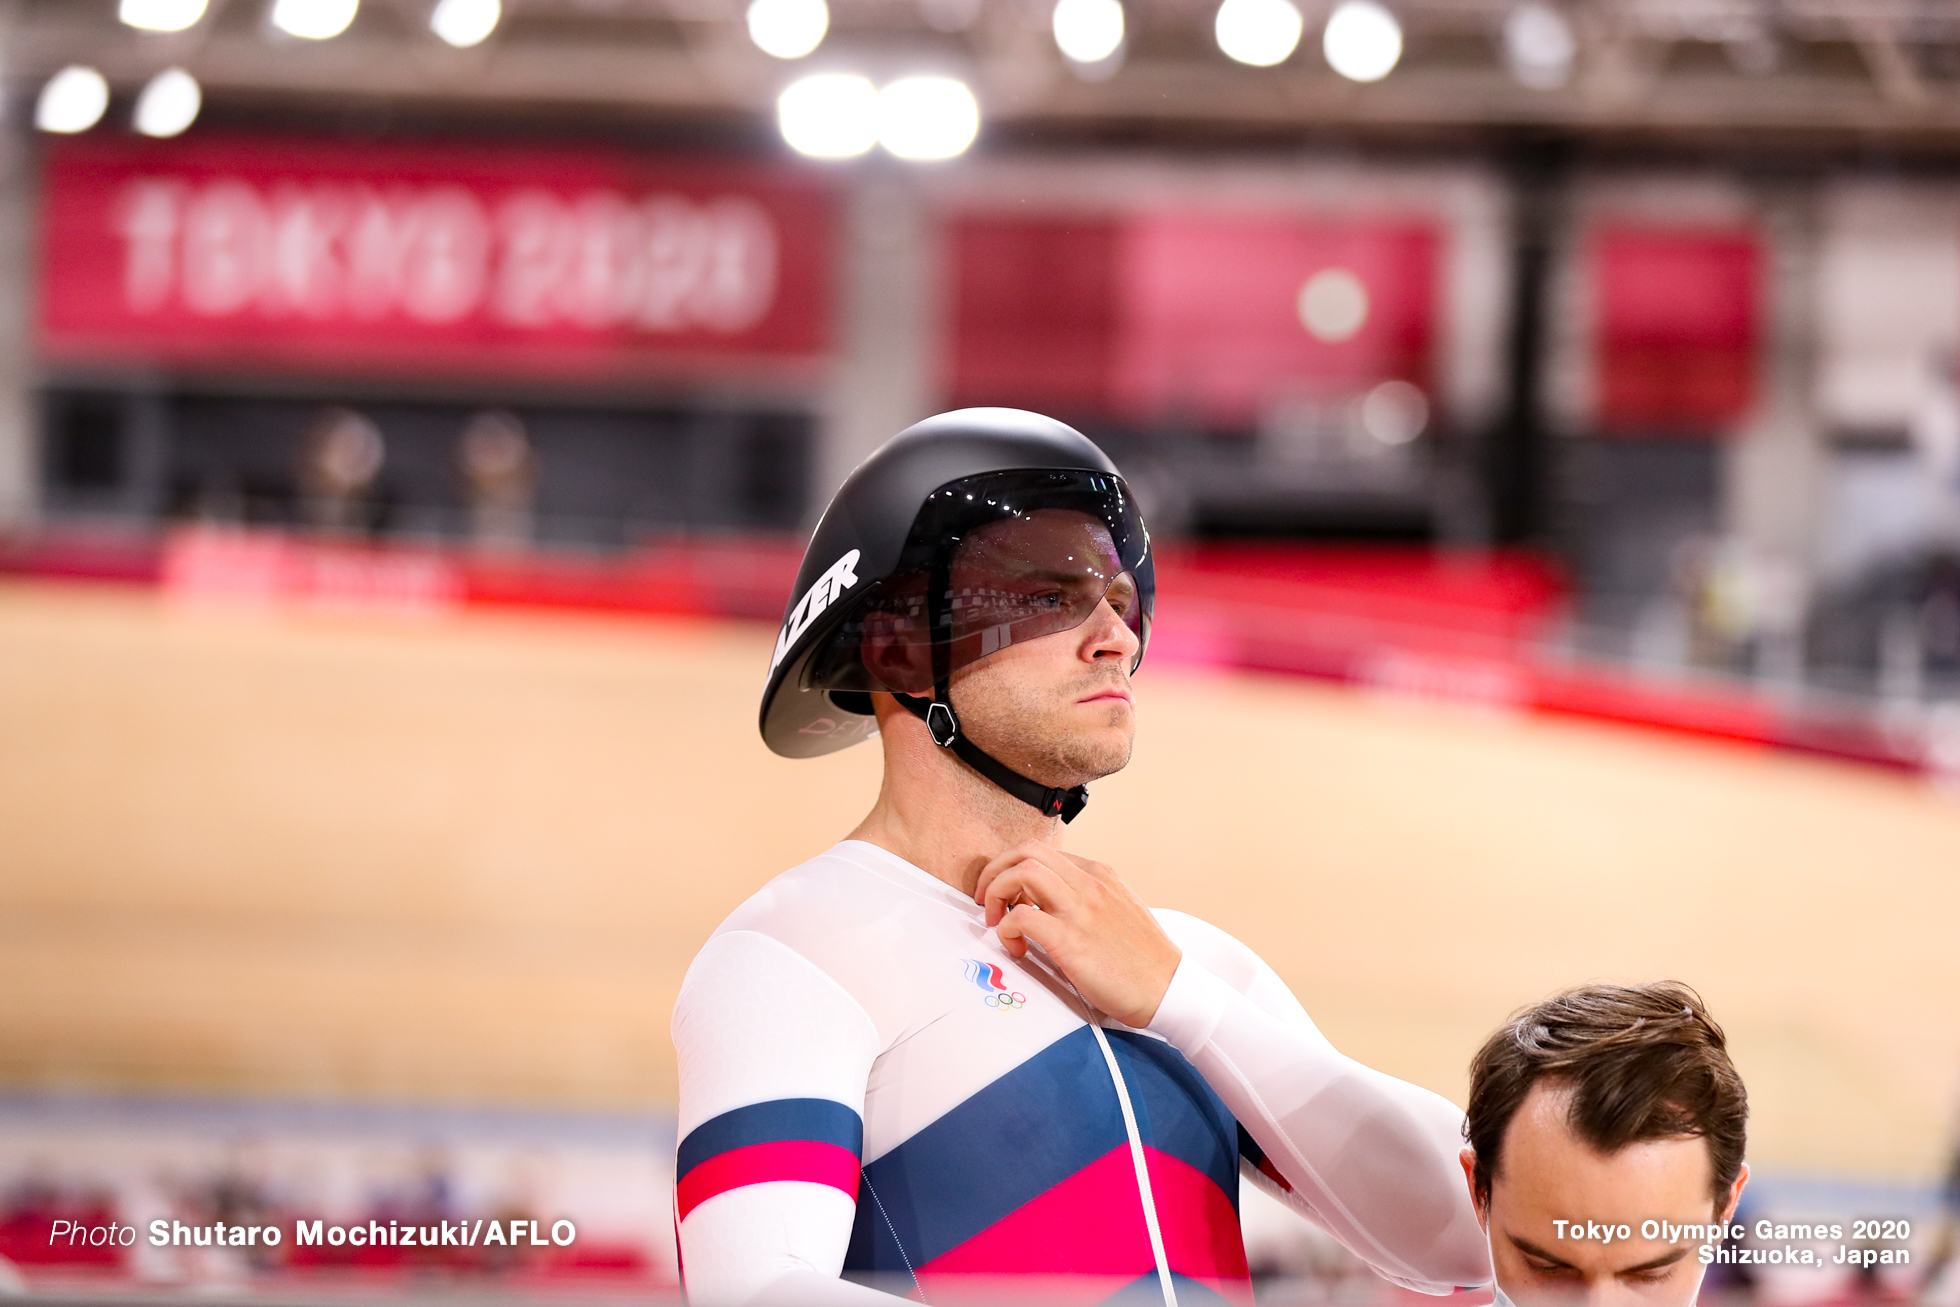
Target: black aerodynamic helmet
x=961 y=535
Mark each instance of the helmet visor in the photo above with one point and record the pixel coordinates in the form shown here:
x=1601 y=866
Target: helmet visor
x=995 y=560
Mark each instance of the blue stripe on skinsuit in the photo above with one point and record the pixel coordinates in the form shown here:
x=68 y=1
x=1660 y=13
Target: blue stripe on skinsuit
x=1176 y=1111
x=820 y=1119
x=1015 y=1139
x=1144 y=1292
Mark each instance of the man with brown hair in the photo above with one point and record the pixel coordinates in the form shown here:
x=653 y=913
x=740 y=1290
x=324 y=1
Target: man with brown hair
x=1606 y=1133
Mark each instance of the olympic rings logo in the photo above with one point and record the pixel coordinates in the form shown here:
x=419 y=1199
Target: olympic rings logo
x=1006 y=1000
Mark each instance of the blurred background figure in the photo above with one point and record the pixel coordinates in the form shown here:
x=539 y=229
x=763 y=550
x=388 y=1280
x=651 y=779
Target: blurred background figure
x=1940 y=1281
x=500 y=479
x=340 y=464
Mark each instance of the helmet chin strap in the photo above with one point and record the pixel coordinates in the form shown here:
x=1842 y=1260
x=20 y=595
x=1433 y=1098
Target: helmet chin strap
x=943 y=724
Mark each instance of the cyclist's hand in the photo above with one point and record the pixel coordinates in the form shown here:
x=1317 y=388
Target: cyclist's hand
x=1090 y=924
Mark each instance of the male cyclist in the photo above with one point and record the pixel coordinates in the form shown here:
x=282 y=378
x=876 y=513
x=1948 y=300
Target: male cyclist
x=945 y=1052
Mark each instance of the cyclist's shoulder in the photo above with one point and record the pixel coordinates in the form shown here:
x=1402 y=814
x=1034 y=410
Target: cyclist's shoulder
x=1215 y=949
x=816 y=894
x=868 y=927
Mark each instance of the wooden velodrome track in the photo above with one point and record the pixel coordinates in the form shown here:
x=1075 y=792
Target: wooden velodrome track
x=469 y=861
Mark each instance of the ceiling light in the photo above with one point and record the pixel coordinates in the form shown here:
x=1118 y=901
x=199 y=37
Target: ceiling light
x=1258 y=32
x=1362 y=41
x=829 y=115
x=1394 y=412
x=1088 y=31
x=464 y=23
x=314 y=20
x=927 y=117
x=1539 y=46
x=73 y=100
x=169 y=104
x=788 y=29
x=161 y=15
x=1333 y=305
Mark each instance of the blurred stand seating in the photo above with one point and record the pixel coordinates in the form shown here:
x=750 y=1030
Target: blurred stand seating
x=120 y=1164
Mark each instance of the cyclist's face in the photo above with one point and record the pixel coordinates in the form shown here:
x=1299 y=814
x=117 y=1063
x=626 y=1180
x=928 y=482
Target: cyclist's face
x=1048 y=692
x=1031 y=576
x=1599 y=1257
x=1038 y=574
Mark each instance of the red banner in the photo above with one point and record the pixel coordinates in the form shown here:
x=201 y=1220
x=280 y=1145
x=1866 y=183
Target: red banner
x=1677 y=328
x=1222 y=311
x=426 y=258
x=1196 y=316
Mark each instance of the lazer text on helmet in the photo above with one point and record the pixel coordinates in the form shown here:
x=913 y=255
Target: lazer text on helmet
x=837 y=578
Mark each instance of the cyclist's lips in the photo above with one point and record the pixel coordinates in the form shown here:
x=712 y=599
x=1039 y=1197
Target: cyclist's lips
x=1108 y=694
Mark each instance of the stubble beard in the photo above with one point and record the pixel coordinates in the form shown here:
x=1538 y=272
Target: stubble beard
x=1033 y=736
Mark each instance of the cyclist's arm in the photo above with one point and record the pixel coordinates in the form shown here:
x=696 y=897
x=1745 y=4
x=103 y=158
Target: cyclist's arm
x=1371 y=1159
x=773 y=1058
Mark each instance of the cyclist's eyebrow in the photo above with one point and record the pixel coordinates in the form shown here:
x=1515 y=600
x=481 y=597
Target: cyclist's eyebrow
x=1665 y=1259
x=1526 y=1246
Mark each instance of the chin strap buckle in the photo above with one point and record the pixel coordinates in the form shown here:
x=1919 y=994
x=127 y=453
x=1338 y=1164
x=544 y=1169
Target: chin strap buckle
x=943 y=725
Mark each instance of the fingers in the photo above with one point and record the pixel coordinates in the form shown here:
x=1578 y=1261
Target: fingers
x=1035 y=850
x=1091 y=869
x=1102 y=938
x=1030 y=852
x=1104 y=878
x=1025 y=882
x=1022 y=852
x=1023 y=925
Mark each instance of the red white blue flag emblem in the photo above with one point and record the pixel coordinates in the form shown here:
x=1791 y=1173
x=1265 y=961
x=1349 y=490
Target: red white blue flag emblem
x=988 y=977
